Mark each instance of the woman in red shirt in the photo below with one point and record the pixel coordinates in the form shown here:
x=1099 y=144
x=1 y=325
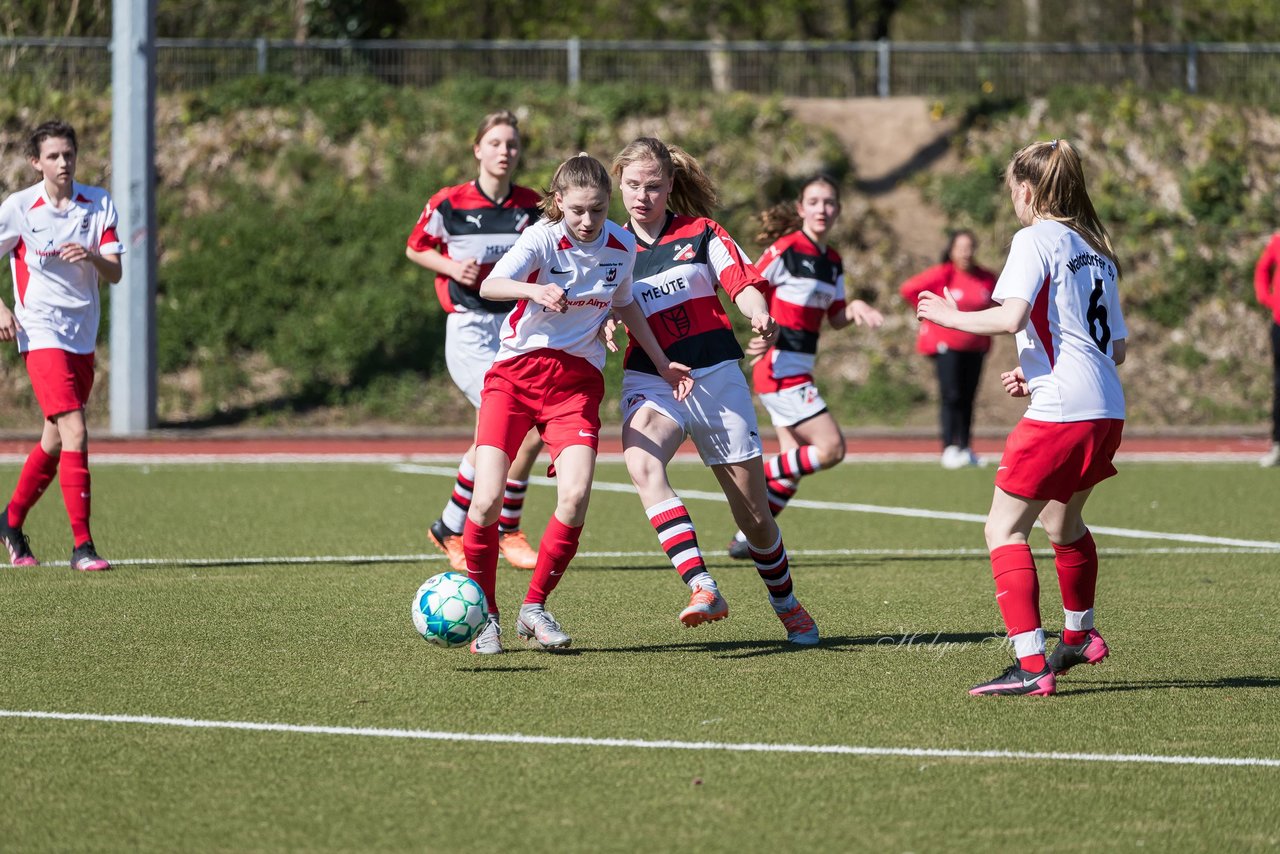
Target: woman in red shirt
x=957 y=356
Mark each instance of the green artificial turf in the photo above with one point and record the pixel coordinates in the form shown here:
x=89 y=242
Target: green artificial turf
x=213 y=629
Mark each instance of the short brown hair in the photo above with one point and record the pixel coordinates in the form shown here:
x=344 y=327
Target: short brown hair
x=50 y=130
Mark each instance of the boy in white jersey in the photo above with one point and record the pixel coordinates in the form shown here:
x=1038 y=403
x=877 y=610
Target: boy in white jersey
x=567 y=273
x=61 y=239
x=1058 y=295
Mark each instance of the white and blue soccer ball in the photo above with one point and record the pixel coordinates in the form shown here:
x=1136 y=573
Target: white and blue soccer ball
x=449 y=609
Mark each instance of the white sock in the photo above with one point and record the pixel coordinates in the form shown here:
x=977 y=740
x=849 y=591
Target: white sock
x=1028 y=643
x=1077 y=621
x=454 y=515
x=703 y=580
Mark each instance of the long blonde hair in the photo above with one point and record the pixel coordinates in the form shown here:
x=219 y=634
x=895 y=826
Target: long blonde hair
x=1056 y=176
x=783 y=218
x=580 y=172
x=692 y=192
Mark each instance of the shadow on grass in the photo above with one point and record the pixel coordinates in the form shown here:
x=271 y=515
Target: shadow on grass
x=1225 y=682
x=836 y=643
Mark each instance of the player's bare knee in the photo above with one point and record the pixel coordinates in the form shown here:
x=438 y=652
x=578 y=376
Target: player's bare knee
x=485 y=512
x=831 y=454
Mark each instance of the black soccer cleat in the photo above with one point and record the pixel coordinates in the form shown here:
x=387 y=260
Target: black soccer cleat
x=1015 y=681
x=1066 y=655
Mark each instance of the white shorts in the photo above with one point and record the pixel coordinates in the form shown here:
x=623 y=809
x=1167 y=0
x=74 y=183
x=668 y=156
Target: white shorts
x=718 y=414
x=793 y=405
x=470 y=345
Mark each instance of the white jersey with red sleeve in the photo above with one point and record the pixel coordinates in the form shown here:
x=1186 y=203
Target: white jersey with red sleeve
x=807 y=287
x=56 y=302
x=1066 y=348
x=596 y=278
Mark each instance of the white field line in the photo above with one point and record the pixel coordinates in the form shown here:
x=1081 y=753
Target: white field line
x=147 y=458
x=301 y=560
x=638 y=744
x=914 y=512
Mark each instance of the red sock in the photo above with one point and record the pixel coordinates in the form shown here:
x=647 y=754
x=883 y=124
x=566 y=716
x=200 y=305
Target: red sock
x=37 y=473
x=1077 y=565
x=73 y=477
x=557 y=547
x=480 y=544
x=1018 y=594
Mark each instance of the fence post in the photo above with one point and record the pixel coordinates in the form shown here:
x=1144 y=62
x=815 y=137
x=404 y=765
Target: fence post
x=882 y=68
x=261 y=46
x=573 y=51
x=1193 y=70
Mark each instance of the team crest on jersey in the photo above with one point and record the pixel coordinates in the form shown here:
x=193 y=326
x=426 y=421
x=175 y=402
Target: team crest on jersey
x=684 y=252
x=676 y=320
x=85 y=223
x=611 y=273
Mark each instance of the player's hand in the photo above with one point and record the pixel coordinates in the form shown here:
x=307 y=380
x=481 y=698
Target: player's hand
x=8 y=324
x=763 y=324
x=1015 y=384
x=466 y=272
x=551 y=297
x=756 y=348
x=73 y=253
x=936 y=309
x=679 y=377
x=863 y=314
x=606 y=332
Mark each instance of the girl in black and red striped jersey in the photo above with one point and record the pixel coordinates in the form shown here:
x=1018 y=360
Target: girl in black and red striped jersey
x=462 y=232
x=684 y=259
x=566 y=274
x=806 y=287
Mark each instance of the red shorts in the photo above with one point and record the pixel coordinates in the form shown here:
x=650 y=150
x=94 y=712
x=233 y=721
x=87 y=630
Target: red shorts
x=1051 y=461
x=61 y=380
x=553 y=391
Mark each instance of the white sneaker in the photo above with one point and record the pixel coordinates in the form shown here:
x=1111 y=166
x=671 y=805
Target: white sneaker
x=539 y=628
x=1271 y=457
x=489 y=641
x=706 y=605
x=954 y=457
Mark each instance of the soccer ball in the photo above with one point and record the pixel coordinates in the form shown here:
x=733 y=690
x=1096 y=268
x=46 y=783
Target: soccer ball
x=449 y=609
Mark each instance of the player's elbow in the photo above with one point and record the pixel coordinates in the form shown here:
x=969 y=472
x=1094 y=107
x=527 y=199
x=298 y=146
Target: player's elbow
x=1118 y=351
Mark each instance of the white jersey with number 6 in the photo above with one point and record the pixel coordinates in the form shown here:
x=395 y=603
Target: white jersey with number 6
x=1066 y=348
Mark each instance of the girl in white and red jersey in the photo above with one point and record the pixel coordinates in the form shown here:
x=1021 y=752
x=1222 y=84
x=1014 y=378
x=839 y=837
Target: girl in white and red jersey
x=462 y=231
x=806 y=287
x=1058 y=295
x=684 y=259
x=566 y=274
x=61 y=239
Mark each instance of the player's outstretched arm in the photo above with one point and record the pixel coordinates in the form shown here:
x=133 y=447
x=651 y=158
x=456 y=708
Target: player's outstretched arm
x=548 y=296
x=108 y=266
x=857 y=312
x=1005 y=319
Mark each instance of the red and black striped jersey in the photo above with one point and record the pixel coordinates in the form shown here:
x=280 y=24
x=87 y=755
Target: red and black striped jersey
x=676 y=283
x=462 y=222
x=806 y=286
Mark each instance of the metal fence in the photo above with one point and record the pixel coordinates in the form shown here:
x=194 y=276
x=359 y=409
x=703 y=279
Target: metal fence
x=820 y=69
